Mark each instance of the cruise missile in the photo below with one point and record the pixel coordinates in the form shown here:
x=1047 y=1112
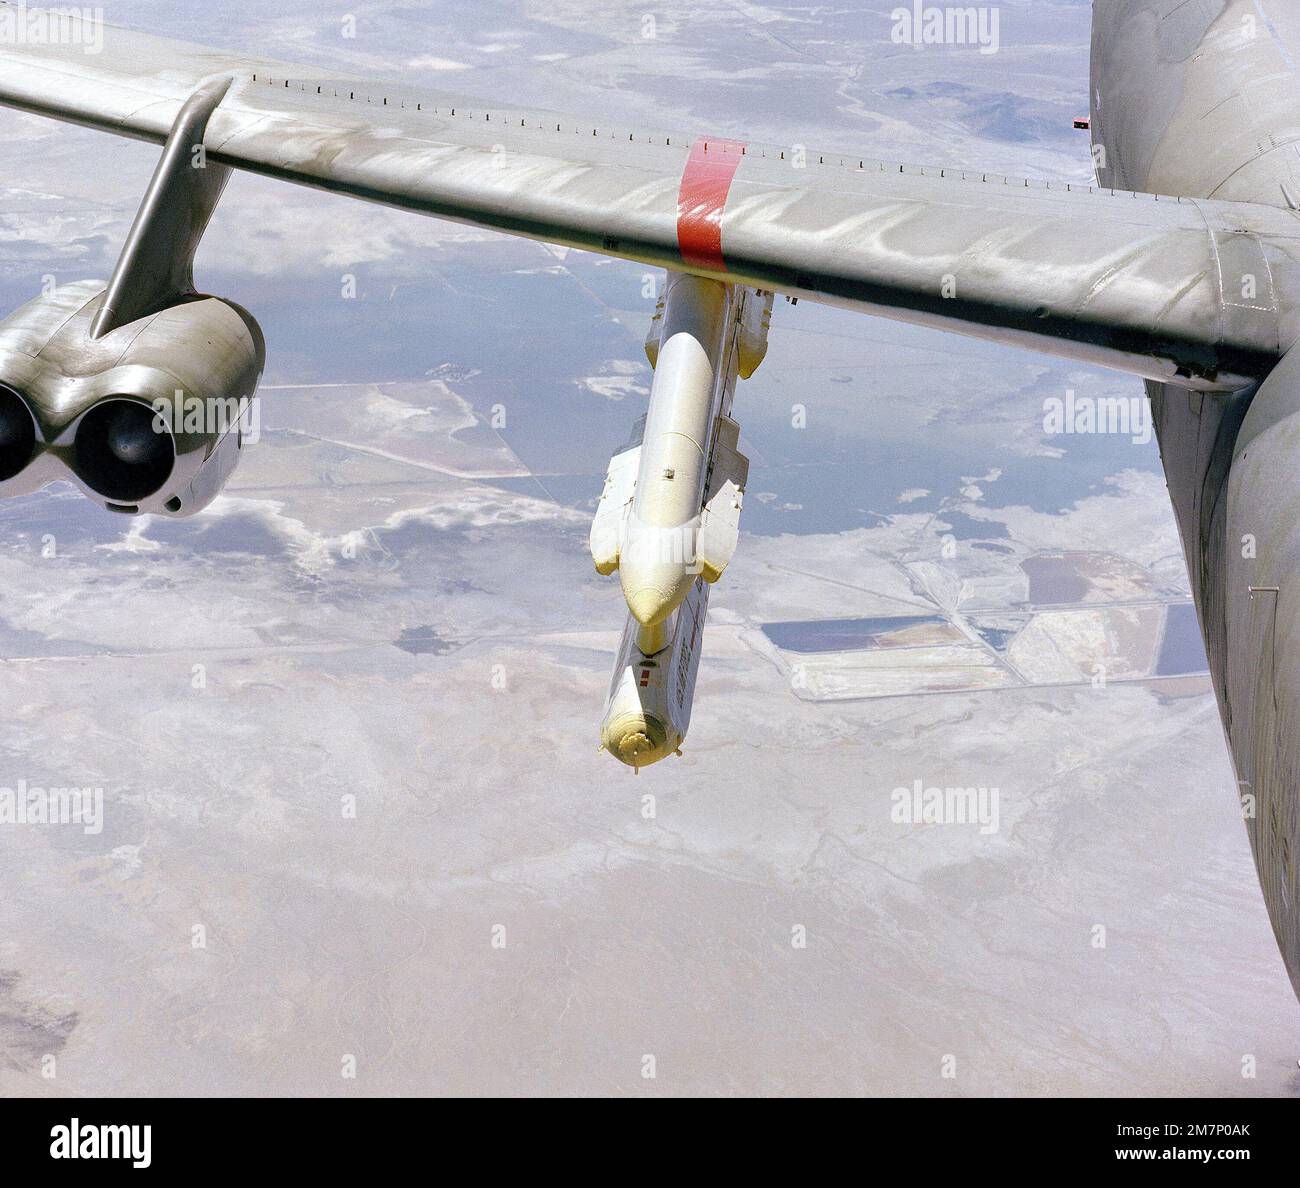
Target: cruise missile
x=649 y=707
x=668 y=521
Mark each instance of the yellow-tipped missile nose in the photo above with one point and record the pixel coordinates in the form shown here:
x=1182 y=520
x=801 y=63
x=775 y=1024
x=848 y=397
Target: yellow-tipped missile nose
x=637 y=740
x=656 y=570
x=633 y=746
x=649 y=607
x=652 y=595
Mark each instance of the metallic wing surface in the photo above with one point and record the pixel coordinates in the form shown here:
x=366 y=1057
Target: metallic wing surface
x=1140 y=283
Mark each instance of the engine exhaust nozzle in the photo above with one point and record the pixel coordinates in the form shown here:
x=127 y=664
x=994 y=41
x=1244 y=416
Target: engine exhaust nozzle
x=17 y=434
x=123 y=451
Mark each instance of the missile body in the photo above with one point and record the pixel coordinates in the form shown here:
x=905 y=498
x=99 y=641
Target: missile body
x=657 y=564
x=669 y=518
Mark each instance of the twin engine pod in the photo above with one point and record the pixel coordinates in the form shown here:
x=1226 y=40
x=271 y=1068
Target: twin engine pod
x=150 y=417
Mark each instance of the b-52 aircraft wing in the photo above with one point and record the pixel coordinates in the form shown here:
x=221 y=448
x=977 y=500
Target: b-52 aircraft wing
x=1164 y=288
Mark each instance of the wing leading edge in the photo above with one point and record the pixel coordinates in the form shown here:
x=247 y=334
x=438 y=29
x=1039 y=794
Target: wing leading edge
x=1192 y=291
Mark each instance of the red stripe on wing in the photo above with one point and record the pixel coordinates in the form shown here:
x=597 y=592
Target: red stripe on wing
x=706 y=183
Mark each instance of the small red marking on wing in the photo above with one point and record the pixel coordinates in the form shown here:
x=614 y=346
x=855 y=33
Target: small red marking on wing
x=706 y=183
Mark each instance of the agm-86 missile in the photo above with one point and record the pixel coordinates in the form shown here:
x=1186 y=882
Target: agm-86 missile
x=669 y=518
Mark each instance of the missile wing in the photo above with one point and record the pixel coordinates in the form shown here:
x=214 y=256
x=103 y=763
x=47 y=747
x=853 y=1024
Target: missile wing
x=609 y=527
x=723 y=499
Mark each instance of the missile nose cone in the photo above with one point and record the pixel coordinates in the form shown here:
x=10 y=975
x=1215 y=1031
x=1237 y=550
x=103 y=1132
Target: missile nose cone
x=632 y=746
x=648 y=606
x=637 y=740
x=652 y=596
x=656 y=571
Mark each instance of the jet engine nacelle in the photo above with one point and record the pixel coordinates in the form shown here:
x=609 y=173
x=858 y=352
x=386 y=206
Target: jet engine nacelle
x=149 y=417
